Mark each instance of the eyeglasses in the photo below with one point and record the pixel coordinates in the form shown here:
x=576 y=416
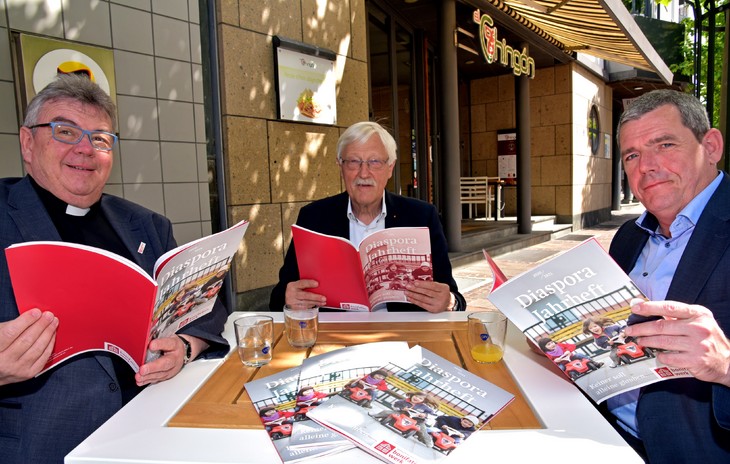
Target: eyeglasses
x=70 y=134
x=354 y=164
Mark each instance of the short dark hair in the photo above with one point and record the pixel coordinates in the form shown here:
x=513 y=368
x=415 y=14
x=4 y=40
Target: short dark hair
x=693 y=114
x=71 y=87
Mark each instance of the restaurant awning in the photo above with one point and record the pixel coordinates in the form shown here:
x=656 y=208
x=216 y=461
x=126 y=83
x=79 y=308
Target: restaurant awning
x=602 y=28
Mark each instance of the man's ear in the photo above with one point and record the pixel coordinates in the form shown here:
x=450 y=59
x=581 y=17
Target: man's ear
x=713 y=144
x=26 y=143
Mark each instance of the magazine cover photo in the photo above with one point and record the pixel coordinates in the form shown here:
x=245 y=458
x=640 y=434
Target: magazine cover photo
x=575 y=308
x=419 y=408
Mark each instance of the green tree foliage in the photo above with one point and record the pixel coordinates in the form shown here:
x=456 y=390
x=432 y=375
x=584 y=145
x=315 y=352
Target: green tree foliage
x=687 y=67
x=637 y=6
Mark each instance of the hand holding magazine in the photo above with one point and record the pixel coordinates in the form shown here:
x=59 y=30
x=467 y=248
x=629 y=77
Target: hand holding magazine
x=106 y=302
x=366 y=277
x=574 y=307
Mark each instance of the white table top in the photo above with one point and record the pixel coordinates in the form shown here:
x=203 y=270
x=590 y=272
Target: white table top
x=138 y=433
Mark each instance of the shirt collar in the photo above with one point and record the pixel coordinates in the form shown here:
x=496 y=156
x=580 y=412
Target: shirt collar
x=56 y=206
x=689 y=215
x=351 y=216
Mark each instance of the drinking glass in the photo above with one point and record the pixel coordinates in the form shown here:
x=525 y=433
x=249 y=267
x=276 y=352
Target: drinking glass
x=300 y=326
x=487 y=332
x=254 y=335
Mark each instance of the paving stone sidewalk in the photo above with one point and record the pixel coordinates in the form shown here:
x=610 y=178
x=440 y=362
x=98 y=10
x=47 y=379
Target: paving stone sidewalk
x=474 y=279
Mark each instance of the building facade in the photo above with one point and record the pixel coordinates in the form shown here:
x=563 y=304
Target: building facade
x=202 y=139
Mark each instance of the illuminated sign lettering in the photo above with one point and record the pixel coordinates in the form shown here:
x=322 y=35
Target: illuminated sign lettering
x=495 y=50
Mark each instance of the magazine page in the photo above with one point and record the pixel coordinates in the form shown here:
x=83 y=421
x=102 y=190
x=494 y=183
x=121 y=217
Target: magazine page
x=348 y=369
x=190 y=277
x=430 y=408
x=391 y=259
x=335 y=263
x=90 y=291
x=274 y=400
x=574 y=307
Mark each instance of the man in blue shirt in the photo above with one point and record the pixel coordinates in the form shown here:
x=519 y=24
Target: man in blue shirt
x=678 y=254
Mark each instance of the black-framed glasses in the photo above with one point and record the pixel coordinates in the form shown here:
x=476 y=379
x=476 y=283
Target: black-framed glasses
x=372 y=164
x=70 y=134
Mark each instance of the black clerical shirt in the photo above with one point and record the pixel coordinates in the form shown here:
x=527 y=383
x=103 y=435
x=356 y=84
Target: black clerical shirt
x=92 y=229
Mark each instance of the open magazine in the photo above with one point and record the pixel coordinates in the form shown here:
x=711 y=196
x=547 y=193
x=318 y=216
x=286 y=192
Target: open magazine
x=427 y=409
x=574 y=307
x=274 y=398
x=106 y=302
x=329 y=374
x=365 y=277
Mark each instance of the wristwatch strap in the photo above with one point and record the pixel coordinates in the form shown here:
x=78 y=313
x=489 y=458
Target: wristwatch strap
x=188 y=350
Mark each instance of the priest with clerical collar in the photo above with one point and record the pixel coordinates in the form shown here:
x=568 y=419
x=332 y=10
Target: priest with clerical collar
x=67 y=142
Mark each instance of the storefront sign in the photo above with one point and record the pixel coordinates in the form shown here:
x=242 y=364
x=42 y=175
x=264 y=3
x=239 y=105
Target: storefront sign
x=305 y=78
x=495 y=50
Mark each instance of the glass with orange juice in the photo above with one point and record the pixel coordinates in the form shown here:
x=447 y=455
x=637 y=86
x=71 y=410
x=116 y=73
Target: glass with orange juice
x=487 y=331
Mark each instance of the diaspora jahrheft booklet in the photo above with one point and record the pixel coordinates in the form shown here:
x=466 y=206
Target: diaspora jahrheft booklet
x=365 y=277
x=327 y=374
x=274 y=398
x=428 y=409
x=105 y=302
x=575 y=307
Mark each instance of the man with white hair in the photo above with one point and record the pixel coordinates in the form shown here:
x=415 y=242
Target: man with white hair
x=366 y=154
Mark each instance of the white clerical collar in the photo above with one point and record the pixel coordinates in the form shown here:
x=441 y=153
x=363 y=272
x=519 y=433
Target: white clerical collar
x=72 y=210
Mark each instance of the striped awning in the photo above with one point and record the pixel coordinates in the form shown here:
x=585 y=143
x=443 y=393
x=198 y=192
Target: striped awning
x=602 y=28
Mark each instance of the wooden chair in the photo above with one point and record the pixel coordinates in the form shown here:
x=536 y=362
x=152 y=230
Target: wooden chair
x=477 y=191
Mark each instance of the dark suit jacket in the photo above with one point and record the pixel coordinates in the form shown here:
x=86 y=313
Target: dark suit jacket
x=329 y=216
x=685 y=420
x=43 y=419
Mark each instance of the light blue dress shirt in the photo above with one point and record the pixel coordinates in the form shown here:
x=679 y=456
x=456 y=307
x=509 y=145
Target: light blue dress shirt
x=358 y=229
x=653 y=274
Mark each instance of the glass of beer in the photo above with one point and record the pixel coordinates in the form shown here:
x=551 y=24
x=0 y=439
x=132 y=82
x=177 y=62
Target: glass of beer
x=254 y=335
x=301 y=326
x=487 y=332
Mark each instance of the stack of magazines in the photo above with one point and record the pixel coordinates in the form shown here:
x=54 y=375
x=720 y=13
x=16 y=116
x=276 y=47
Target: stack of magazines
x=397 y=403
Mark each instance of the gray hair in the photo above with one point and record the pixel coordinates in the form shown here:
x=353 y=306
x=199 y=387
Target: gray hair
x=361 y=132
x=71 y=87
x=693 y=114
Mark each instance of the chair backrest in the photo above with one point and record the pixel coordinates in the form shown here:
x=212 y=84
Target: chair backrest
x=475 y=189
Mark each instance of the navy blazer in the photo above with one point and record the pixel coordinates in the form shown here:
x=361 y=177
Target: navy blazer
x=44 y=418
x=686 y=420
x=329 y=216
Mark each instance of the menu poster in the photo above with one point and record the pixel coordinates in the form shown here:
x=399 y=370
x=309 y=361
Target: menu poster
x=305 y=77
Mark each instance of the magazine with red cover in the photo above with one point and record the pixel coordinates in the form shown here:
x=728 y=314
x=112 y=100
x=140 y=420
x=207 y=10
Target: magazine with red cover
x=365 y=277
x=106 y=302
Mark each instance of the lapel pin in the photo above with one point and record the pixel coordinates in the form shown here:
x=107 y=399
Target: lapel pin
x=140 y=249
